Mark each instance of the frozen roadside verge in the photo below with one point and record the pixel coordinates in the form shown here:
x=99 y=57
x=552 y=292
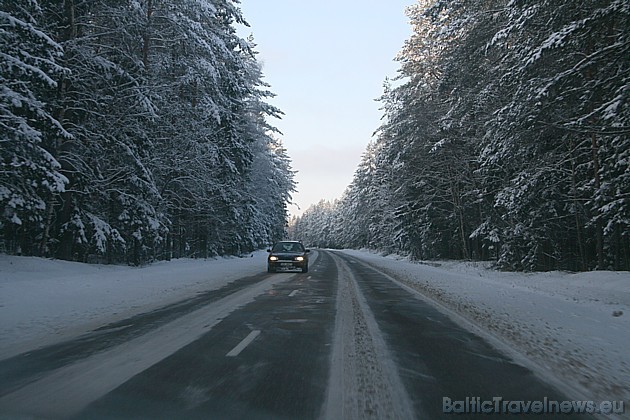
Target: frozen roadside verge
x=574 y=326
x=45 y=301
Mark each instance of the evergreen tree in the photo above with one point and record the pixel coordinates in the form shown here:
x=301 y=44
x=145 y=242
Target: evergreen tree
x=507 y=138
x=139 y=133
x=30 y=173
x=109 y=205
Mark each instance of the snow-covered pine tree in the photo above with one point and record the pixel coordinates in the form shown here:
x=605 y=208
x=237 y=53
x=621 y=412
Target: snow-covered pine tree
x=30 y=177
x=109 y=207
x=196 y=72
x=507 y=136
x=562 y=121
x=213 y=134
x=164 y=136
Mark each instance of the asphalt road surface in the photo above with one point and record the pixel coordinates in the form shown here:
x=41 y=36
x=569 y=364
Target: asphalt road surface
x=343 y=341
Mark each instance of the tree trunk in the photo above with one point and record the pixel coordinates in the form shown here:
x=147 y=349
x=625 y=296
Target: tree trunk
x=43 y=246
x=578 y=226
x=66 y=241
x=459 y=214
x=599 y=234
x=147 y=36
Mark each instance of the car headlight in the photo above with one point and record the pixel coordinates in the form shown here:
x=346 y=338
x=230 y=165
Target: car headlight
x=273 y=258
x=299 y=258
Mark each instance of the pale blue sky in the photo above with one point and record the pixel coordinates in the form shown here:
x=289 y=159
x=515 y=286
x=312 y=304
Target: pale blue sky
x=326 y=60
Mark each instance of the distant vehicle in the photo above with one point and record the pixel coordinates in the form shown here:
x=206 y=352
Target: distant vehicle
x=287 y=255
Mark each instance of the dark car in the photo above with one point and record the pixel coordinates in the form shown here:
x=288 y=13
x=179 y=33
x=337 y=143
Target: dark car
x=287 y=255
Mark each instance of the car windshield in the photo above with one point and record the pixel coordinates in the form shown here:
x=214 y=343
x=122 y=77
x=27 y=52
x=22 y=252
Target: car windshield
x=288 y=247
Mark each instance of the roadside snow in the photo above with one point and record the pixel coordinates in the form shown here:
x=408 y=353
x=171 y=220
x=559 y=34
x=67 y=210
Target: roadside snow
x=46 y=301
x=576 y=326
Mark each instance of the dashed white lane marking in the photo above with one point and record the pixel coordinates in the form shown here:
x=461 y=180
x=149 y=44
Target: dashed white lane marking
x=241 y=346
x=66 y=391
x=293 y=293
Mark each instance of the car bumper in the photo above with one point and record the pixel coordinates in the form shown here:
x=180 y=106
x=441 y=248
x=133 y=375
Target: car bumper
x=287 y=265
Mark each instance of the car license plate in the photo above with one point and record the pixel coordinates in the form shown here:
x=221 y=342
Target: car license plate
x=286 y=265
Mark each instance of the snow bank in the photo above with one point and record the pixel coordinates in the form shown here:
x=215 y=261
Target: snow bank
x=45 y=301
x=576 y=326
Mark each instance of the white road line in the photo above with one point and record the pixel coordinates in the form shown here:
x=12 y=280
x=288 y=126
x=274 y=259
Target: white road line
x=241 y=346
x=66 y=391
x=293 y=293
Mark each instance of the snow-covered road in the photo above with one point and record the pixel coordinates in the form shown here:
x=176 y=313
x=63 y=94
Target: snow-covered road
x=572 y=327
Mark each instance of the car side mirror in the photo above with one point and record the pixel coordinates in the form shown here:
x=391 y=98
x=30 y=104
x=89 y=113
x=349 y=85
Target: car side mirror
x=269 y=250
x=307 y=250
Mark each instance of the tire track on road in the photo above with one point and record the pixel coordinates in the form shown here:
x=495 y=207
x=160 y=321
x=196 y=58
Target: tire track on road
x=364 y=382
